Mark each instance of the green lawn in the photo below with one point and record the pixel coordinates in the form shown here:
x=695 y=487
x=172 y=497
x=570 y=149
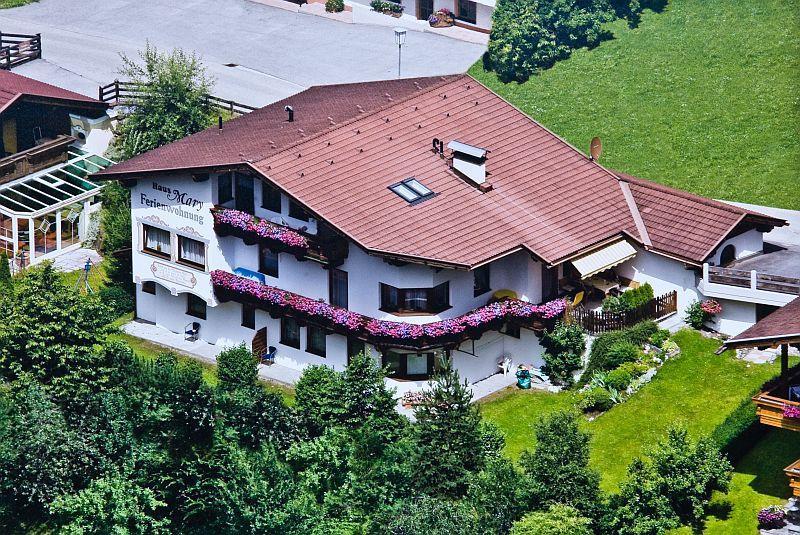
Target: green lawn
x=702 y=96
x=698 y=389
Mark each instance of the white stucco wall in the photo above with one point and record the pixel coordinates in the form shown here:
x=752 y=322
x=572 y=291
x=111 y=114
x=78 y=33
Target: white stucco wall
x=747 y=244
x=736 y=316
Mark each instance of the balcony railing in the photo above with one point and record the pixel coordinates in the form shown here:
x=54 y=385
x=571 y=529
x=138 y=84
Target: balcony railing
x=42 y=156
x=752 y=285
x=597 y=321
x=793 y=473
x=381 y=333
x=324 y=247
x=772 y=402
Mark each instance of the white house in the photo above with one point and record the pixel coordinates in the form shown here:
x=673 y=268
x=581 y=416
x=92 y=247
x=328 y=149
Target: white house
x=51 y=142
x=416 y=218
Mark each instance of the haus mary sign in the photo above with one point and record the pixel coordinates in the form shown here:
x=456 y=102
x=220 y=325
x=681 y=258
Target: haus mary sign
x=178 y=202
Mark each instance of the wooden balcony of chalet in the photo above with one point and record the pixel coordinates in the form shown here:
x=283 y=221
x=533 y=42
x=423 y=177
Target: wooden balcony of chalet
x=793 y=473
x=46 y=154
x=772 y=403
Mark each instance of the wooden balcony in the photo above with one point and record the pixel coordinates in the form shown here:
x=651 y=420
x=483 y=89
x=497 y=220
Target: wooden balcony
x=771 y=403
x=793 y=473
x=749 y=285
x=46 y=154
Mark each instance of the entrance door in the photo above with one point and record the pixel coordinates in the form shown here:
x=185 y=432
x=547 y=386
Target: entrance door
x=424 y=9
x=260 y=342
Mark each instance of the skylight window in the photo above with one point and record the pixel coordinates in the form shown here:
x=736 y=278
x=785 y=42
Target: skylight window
x=412 y=190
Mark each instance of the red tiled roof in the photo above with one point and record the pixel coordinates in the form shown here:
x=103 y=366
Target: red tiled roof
x=266 y=131
x=349 y=142
x=13 y=86
x=686 y=225
x=784 y=323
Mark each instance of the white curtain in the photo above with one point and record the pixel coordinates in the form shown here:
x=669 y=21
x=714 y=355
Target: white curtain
x=157 y=239
x=193 y=251
x=417 y=364
x=416 y=299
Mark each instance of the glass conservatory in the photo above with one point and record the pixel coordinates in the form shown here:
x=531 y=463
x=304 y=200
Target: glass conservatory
x=48 y=211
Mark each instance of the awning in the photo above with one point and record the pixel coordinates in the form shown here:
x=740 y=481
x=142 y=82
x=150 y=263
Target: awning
x=603 y=259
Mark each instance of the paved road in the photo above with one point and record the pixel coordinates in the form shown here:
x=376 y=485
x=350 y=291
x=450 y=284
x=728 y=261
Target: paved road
x=277 y=52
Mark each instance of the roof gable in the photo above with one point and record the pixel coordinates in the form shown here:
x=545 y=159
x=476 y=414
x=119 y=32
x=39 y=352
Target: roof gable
x=13 y=86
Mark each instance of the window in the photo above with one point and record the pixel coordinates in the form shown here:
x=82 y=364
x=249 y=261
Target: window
x=298 y=212
x=245 y=201
x=195 y=306
x=354 y=347
x=224 y=188
x=270 y=198
x=481 y=280
x=267 y=261
x=157 y=241
x=316 y=340
x=191 y=252
x=409 y=365
x=466 y=11
x=290 y=332
x=337 y=286
x=248 y=316
x=412 y=190
x=429 y=300
x=149 y=287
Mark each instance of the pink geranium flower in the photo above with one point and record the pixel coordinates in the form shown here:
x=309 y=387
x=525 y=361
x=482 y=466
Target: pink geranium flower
x=260 y=227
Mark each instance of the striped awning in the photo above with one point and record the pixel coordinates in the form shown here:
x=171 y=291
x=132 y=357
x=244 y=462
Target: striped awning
x=603 y=259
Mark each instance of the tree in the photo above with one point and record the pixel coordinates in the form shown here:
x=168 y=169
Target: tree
x=558 y=467
x=671 y=488
x=5 y=274
x=54 y=334
x=557 y=520
x=115 y=223
x=499 y=494
x=564 y=346
x=111 y=505
x=237 y=368
x=428 y=515
x=172 y=102
x=448 y=435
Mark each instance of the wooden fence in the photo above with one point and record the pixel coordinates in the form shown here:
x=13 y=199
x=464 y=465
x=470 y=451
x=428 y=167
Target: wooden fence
x=19 y=48
x=597 y=322
x=121 y=93
x=744 y=279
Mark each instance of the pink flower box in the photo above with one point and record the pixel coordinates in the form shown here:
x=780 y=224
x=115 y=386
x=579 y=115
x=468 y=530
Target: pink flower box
x=791 y=411
x=485 y=318
x=261 y=228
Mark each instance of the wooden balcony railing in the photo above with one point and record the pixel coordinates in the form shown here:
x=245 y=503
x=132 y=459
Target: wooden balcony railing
x=793 y=473
x=752 y=280
x=41 y=156
x=19 y=48
x=597 y=321
x=773 y=400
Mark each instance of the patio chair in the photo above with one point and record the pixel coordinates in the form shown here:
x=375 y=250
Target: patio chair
x=268 y=356
x=191 y=331
x=578 y=299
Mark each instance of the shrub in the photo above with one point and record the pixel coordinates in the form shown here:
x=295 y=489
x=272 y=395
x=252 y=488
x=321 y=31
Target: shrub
x=117 y=299
x=557 y=520
x=771 y=517
x=659 y=337
x=236 y=368
x=619 y=378
x=641 y=332
x=698 y=313
x=5 y=272
x=558 y=466
x=395 y=7
x=596 y=399
x=629 y=300
x=564 y=347
x=334 y=6
x=620 y=353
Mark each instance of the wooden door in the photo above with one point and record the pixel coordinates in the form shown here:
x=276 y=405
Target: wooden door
x=260 y=342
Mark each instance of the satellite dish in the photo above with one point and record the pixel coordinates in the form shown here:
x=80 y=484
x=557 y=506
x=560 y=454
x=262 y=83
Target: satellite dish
x=595 y=148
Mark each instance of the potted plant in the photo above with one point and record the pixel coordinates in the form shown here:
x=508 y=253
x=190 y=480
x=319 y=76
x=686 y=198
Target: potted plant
x=771 y=517
x=441 y=18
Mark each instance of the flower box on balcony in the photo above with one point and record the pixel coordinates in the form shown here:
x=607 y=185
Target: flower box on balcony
x=253 y=229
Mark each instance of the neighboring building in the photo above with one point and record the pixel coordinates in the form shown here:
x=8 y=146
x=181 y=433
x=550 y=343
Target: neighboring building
x=473 y=15
x=778 y=404
x=393 y=215
x=50 y=137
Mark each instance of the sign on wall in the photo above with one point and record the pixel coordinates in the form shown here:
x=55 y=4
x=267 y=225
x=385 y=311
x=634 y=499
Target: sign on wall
x=175 y=275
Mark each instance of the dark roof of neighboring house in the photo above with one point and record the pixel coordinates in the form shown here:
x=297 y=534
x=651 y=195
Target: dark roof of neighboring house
x=782 y=326
x=350 y=142
x=14 y=86
x=686 y=225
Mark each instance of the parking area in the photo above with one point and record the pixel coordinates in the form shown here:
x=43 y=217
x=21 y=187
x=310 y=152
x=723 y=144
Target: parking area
x=258 y=54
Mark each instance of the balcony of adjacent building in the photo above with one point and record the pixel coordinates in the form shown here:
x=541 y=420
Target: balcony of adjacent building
x=768 y=278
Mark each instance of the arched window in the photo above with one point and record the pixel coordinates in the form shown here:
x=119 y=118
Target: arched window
x=728 y=255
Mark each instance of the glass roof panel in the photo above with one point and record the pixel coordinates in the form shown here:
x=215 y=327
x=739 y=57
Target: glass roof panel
x=51 y=189
x=21 y=199
x=29 y=189
x=72 y=180
x=11 y=205
x=99 y=160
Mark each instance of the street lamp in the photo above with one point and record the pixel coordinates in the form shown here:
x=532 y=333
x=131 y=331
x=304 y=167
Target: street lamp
x=399 y=39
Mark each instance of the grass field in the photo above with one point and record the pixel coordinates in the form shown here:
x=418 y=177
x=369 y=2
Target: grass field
x=699 y=389
x=704 y=96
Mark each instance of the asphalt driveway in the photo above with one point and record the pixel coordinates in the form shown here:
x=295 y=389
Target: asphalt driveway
x=275 y=52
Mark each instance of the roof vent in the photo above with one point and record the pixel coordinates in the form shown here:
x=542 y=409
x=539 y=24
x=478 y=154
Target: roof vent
x=470 y=162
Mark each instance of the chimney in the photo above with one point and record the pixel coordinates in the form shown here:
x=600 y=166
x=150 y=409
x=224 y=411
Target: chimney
x=290 y=111
x=470 y=162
